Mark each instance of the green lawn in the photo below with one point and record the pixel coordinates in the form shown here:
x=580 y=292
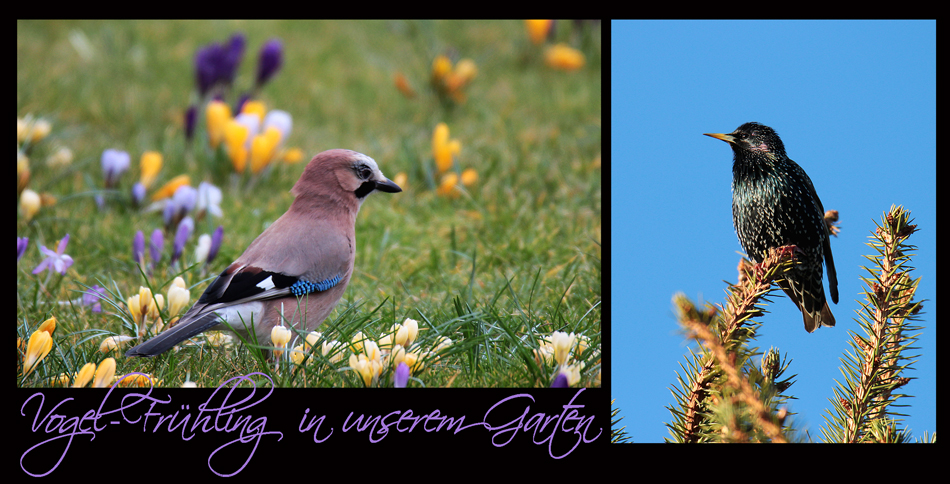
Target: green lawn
x=507 y=260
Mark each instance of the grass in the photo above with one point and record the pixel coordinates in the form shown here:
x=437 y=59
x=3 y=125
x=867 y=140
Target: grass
x=513 y=258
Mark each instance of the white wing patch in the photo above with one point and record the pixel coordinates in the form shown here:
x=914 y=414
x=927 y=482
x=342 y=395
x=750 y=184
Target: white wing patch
x=266 y=283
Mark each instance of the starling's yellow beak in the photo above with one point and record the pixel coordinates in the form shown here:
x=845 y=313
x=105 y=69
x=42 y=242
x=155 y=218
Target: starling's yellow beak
x=728 y=138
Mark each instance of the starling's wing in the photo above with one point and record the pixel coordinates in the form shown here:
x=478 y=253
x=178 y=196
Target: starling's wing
x=826 y=244
x=830 y=265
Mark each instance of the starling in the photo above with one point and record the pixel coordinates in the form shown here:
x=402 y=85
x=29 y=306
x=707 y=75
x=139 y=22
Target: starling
x=774 y=204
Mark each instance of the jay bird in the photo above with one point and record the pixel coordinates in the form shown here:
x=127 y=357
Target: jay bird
x=297 y=269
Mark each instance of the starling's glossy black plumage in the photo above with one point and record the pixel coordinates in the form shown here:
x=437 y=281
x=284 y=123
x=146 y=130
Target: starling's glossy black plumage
x=773 y=204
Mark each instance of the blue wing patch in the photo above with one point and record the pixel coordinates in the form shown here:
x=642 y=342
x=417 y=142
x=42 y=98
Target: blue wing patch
x=302 y=288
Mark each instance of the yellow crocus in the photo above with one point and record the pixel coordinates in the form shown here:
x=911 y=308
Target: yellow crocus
x=449 y=185
x=441 y=66
x=538 y=29
x=263 y=147
x=151 y=164
x=254 y=107
x=37 y=348
x=49 y=325
x=169 y=188
x=217 y=114
x=295 y=155
x=104 y=373
x=469 y=177
x=443 y=148
x=85 y=375
x=235 y=135
x=563 y=57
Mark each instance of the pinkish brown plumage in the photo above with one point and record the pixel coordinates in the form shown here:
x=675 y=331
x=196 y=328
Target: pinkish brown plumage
x=295 y=272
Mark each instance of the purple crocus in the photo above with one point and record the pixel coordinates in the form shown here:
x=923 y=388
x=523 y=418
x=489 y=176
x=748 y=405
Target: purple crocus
x=190 y=116
x=216 y=63
x=156 y=246
x=57 y=261
x=138 y=248
x=114 y=163
x=401 y=377
x=560 y=381
x=215 y=243
x=232 y=58
x=22 y=242
x=185 y=228
x=271 y=58
x=206 y=66
x=92 y=297
x=138 y=194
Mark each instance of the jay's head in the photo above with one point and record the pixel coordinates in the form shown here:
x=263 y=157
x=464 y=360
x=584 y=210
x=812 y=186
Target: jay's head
x=344 y=175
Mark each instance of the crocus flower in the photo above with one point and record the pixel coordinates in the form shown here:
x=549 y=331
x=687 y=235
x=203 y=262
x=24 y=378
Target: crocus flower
x=37 y=348
x=85 y=375
x=443 y=148
x=178 y=296
x=562 y=343
x=49 y=325
x=235 y=135
x=92 y=298
x=270 y=61
x=232 y=58
x=295 y=155
x=185 y=198
x=216 y=238
x=256 y=108
x=29 y=203
x=563 y=57
x=263 y=149
x=401 y=376
x=449 y=185
x=280 y=336
x=217 y=115
x=560 y=381
x=21 y=244
x=538 y=30
x=182 y=202
x=138 y=248
x=171 y=187
x=282 y=120
x=191 y=116
x=104 y=373
x=114 y=163
x=185 y=228
x=113 y=343
x=204 y=246
x=216 y=63
x=138 y=193
x=157 y=245
x=57 y=261
x=151 y=164
x=61 y=158
x=469 y=177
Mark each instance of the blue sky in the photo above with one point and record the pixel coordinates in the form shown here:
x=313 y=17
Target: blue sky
x=855 y=104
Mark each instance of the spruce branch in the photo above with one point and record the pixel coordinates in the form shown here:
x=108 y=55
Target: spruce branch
x=864 y=404
x=723 y=396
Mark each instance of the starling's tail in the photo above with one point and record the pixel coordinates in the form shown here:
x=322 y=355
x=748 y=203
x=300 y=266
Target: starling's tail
x=807 y=305
x=814 y=320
